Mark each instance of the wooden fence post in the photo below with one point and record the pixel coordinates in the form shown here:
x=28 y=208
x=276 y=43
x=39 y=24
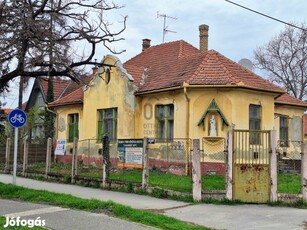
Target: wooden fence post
x=273 y=167
x=229 y=176
x=48 y=157
x=145 y=175
x=196 y=171
x=304 y=171
x=7 y=155
x=25 y=157
x=74 y=160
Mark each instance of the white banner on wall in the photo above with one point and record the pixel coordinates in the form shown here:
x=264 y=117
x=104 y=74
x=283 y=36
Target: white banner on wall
x=60 y=148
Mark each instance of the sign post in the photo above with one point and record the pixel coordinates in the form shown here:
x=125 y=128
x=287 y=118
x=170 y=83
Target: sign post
x=17 y=118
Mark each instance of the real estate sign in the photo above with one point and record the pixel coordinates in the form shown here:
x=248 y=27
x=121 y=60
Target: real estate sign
x=130 y=153
x=60 y=148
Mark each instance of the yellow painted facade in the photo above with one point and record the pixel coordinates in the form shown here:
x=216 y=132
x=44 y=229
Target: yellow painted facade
x=115 y=92
x=136 y=113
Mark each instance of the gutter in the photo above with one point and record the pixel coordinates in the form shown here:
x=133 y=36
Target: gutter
x=290 y=104
x=280 y=92
x=67 y=103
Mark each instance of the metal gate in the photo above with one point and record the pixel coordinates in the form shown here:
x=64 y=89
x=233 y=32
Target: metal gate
x=251 y=166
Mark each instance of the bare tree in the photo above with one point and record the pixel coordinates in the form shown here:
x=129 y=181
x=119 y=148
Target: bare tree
x=285 y=60
x=26 y=37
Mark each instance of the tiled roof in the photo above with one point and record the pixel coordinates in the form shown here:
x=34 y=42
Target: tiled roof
x=172 y=64
x=73 y=94
x=289 y=100
x=164 y=65
x=216 y=69
x=75 y=97
x=59 y=85
x=72 y=86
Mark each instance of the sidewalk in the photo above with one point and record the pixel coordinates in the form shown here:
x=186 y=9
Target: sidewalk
x=215 y=216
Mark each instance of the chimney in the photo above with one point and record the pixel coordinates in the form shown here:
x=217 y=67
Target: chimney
x=146 y=44
x=203 y=37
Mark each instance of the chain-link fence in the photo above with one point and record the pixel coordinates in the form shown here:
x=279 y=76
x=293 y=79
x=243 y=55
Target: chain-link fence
x=213 y=165
x=289 y=166
x=89 y=158
x=170 y=164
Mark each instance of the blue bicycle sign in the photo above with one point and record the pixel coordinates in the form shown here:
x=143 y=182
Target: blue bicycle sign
x=17 y=118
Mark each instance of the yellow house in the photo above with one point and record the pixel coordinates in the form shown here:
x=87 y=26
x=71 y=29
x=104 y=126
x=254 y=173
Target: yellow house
x=172 y=93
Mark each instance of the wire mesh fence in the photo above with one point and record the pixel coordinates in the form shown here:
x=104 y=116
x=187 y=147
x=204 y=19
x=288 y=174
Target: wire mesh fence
x=170 y=164
x=289 y=166
x=213 y=156
x=213 y=165
x=89 y=158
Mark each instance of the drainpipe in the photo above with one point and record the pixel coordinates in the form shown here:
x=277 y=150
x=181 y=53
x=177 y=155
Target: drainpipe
x=187 y=125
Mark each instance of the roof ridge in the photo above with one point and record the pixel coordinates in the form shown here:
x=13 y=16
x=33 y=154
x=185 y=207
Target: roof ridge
x=206 y=57
x=230 y=76
x=197 y=70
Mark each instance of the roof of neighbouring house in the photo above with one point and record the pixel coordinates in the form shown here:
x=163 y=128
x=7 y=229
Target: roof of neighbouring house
x=75 y=97
x=174 y=63
x=59 y=85
x=73 y=93
x=286 y=99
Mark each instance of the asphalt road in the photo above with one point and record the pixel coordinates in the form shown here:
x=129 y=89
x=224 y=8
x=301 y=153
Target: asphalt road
x=62 y=218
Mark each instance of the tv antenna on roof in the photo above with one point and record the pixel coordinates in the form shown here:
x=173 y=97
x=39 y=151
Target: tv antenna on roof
x=165 y=30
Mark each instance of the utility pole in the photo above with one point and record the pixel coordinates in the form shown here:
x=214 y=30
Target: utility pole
x=165 y=30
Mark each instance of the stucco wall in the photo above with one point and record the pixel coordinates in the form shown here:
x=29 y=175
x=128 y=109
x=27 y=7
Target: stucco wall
x=234 y=104
x=62 y=122
x=295 y=115
x=117 y=93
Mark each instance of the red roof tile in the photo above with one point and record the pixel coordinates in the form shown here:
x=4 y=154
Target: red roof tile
x=59 y=85
x=73 y=93
x=75 y=97
x=289 y=100
x=172 y=64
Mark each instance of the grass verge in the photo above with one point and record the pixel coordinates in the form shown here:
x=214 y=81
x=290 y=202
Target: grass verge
x=117 y=210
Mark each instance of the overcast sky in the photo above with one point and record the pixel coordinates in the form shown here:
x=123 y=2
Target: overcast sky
x=233 y=31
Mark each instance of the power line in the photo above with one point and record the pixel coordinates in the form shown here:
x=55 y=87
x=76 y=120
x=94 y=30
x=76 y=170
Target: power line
x=265 y=15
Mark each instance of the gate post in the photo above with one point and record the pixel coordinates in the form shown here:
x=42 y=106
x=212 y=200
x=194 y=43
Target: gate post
x=7 y=155
x=145 y=174
x=74 y=161
x=273 y=167
x=48 y=157
x=25 y=157
x=229 y=176
x=196 y=171
x=304 y=171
